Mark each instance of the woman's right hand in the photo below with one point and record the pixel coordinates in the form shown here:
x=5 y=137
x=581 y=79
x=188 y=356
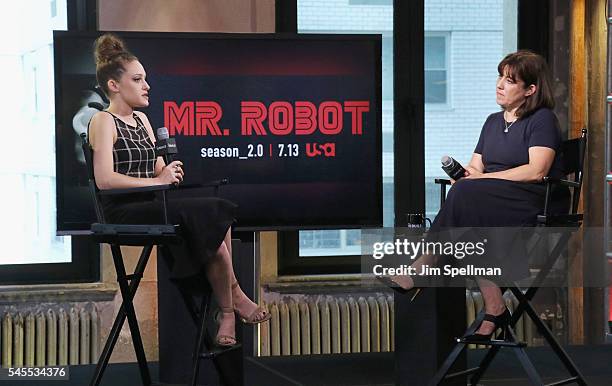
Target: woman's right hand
x=469 y=171
x=172 y=173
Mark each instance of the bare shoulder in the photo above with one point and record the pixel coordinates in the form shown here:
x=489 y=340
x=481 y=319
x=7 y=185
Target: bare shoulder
x=102 y=118
x=102 y=124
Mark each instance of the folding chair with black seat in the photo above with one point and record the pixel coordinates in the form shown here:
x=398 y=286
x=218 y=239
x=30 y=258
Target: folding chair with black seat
x=146 y=236
x=573 y=156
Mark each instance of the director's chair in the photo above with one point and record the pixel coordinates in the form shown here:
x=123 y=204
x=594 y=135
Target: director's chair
x=146 y=236
x=573 y=151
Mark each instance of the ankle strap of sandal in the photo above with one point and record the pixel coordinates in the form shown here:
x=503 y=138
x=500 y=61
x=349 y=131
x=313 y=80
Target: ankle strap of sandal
x=497 y=319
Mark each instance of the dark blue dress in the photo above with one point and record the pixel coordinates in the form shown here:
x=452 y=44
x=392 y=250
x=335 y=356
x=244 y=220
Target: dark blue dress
x=492 y=202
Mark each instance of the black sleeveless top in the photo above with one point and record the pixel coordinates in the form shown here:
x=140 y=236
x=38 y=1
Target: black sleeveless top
x=134 y=156
x=133 y=152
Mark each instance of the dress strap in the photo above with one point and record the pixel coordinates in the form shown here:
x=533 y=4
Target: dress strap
x=138 y=120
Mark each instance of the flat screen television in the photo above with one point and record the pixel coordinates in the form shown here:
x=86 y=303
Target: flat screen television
x=292 y=121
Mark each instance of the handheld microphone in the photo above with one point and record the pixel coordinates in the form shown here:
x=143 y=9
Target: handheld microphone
x=452 y=168
x=165 y=146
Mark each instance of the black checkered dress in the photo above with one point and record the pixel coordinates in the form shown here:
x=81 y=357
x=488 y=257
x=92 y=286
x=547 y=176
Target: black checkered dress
x=133 y=152
x=204 y=221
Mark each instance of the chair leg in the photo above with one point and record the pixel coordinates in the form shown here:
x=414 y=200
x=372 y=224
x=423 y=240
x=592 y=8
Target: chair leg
x=131 y=312
x=455 y=353
x=484 y=364
x=524 y=306
x=200 y=340
x=550 y=339
x=478 y=371
x=533 y=375
x=126 y=310
x=448 y=363
x=108 y=347
x=203 y=340
x=493 y=350
x=519 y=351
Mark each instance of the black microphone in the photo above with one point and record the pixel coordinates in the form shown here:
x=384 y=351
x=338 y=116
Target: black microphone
x=165 y=146
x=452 y=168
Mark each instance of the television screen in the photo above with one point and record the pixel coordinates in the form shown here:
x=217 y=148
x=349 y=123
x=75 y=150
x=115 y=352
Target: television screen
x=293 y=122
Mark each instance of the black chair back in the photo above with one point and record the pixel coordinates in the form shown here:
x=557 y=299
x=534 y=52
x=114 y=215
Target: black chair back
x=93 y=188
x=573 y=151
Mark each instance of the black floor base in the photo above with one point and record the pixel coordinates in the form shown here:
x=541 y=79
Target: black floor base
x=377 y=369
x=372 y=369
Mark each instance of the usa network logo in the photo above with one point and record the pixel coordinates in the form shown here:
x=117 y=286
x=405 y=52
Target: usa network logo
x=324 y=149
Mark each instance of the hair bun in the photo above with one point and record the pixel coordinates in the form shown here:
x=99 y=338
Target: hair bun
x=107 y=47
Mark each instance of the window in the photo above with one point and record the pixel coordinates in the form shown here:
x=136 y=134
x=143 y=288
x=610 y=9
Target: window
x=31 y=250
x=436 y=68
x=28 y=203
x=459 y=94
x=387 y=75
x=53 y=8
x=354 y=16
x=319 y=243
x=371 y=2
x=472 y=59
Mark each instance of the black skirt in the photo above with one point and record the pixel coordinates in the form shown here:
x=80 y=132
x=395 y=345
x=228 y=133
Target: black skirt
x=498 y=210
x=204 y=222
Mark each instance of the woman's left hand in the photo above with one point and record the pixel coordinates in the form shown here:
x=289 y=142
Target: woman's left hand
x=472 y=173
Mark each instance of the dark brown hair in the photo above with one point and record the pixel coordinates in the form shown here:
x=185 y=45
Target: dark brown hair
x=111 y=56
x=530 y=68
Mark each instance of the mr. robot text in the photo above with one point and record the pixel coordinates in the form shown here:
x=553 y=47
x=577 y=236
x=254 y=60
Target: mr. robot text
x=282 y=119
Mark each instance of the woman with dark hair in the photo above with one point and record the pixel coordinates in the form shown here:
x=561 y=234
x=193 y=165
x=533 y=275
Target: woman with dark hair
x=124 y=157
x=518 y=146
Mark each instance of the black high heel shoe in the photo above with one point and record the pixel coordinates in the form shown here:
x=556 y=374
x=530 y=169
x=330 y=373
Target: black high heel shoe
x=500 y=321
x=386 y=280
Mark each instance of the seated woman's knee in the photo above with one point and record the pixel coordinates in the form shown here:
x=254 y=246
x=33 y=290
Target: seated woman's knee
x=463 y=189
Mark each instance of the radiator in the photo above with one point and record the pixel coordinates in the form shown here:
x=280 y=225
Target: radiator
x=52 y=337
x=327 y=325
x=322 y=324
